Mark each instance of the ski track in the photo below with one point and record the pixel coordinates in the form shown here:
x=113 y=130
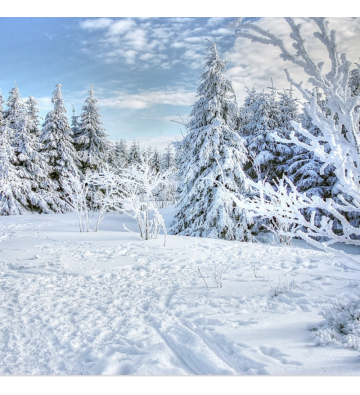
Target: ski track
x=78 y=305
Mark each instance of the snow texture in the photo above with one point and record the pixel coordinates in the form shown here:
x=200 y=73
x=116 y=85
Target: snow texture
x=107 y=303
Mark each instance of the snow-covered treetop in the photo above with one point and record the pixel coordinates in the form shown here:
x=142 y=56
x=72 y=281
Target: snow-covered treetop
x=217 y=96
x=91 y=142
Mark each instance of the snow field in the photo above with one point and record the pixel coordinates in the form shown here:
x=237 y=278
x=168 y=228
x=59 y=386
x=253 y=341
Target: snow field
x=108 y=303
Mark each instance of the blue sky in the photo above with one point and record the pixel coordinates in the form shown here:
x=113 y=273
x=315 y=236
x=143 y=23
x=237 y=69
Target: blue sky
x=145 y=70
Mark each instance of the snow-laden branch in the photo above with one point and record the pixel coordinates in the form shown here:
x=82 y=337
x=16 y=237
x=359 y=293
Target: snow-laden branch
x=339 y=130
x=139 y=183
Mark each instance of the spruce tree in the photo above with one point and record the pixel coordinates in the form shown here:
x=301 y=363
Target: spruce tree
x=354 y=81
x=134 y=153
x=155 y=161
x=75 y=124
x=168 y=159
x=91 y=143
x=212 y=153
x=263 y=117
x=36 y=191
x=118 y=157
x=12 y=189
x=33 y=111
x=57 y=144
x=2 y=115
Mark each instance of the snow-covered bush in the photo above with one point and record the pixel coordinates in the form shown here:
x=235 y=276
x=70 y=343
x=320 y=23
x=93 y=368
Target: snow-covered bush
x=138 y=183
x=341 y=325
x=77 y=199
x=82 y=199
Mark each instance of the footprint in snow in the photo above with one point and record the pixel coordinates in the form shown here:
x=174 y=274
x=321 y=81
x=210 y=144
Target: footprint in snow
x=275 y=353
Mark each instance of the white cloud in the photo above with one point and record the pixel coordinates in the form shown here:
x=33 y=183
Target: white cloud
x=223 y=32
x=147 y=99
x=120 y=37
x=121 y=27
x=95 y=24
x=215 y=21
x=136 y=39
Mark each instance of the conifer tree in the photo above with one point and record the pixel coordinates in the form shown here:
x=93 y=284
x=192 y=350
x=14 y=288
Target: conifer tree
x=212 y=153
x=91 y=143
x=75 y=124
x=118 y=157
x=12 y=190
x=354 y=81
x=34 y=191
x=57 y=144
x=155 y=161
x=263 y=117
x=134 y=153
x=33 y=111
x=2 y=115
x=168 y=159
x=122 y=154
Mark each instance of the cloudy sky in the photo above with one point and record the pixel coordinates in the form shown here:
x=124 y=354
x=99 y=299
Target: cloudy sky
x=145 y=70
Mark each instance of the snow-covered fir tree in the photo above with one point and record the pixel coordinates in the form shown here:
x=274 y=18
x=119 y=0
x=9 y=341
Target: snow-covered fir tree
x=304 y=167
x=118 y=157
x=134 y=153
x=57 y=144
x=91 y=143
x=2 y=115
x=33 y=115
x=37 y=191
x=354 y=81
x=288 y=112
x=155 y=161
x=260 y=118
x=75 y=124
x=212 y=153
x=168 y=159
x=12 y=189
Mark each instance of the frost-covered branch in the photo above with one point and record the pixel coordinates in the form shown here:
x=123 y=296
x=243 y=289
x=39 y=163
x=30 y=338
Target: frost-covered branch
x=138 y=185
x=337 y=144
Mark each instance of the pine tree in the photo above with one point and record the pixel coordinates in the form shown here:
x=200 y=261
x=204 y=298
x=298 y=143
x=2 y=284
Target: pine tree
x=211 y=153
x=168 y=159
x=75 y=124
x=118 y=157
x=57 y=142
x=288 y=112
x=262 y=118
x=2 y=115
x=91 y=143
x=122 y=154
x=155 y=161
x=33 y=111
x=12 y=189
x=354 y=81
x=134 y=153
x=36 y=190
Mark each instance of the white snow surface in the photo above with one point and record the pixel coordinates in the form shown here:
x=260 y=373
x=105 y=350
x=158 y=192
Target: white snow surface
x=107 y=303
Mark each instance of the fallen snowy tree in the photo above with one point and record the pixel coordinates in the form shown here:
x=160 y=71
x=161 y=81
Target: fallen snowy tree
x=339 y=129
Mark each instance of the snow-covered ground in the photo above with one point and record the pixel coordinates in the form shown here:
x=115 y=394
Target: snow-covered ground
x=109 y=303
